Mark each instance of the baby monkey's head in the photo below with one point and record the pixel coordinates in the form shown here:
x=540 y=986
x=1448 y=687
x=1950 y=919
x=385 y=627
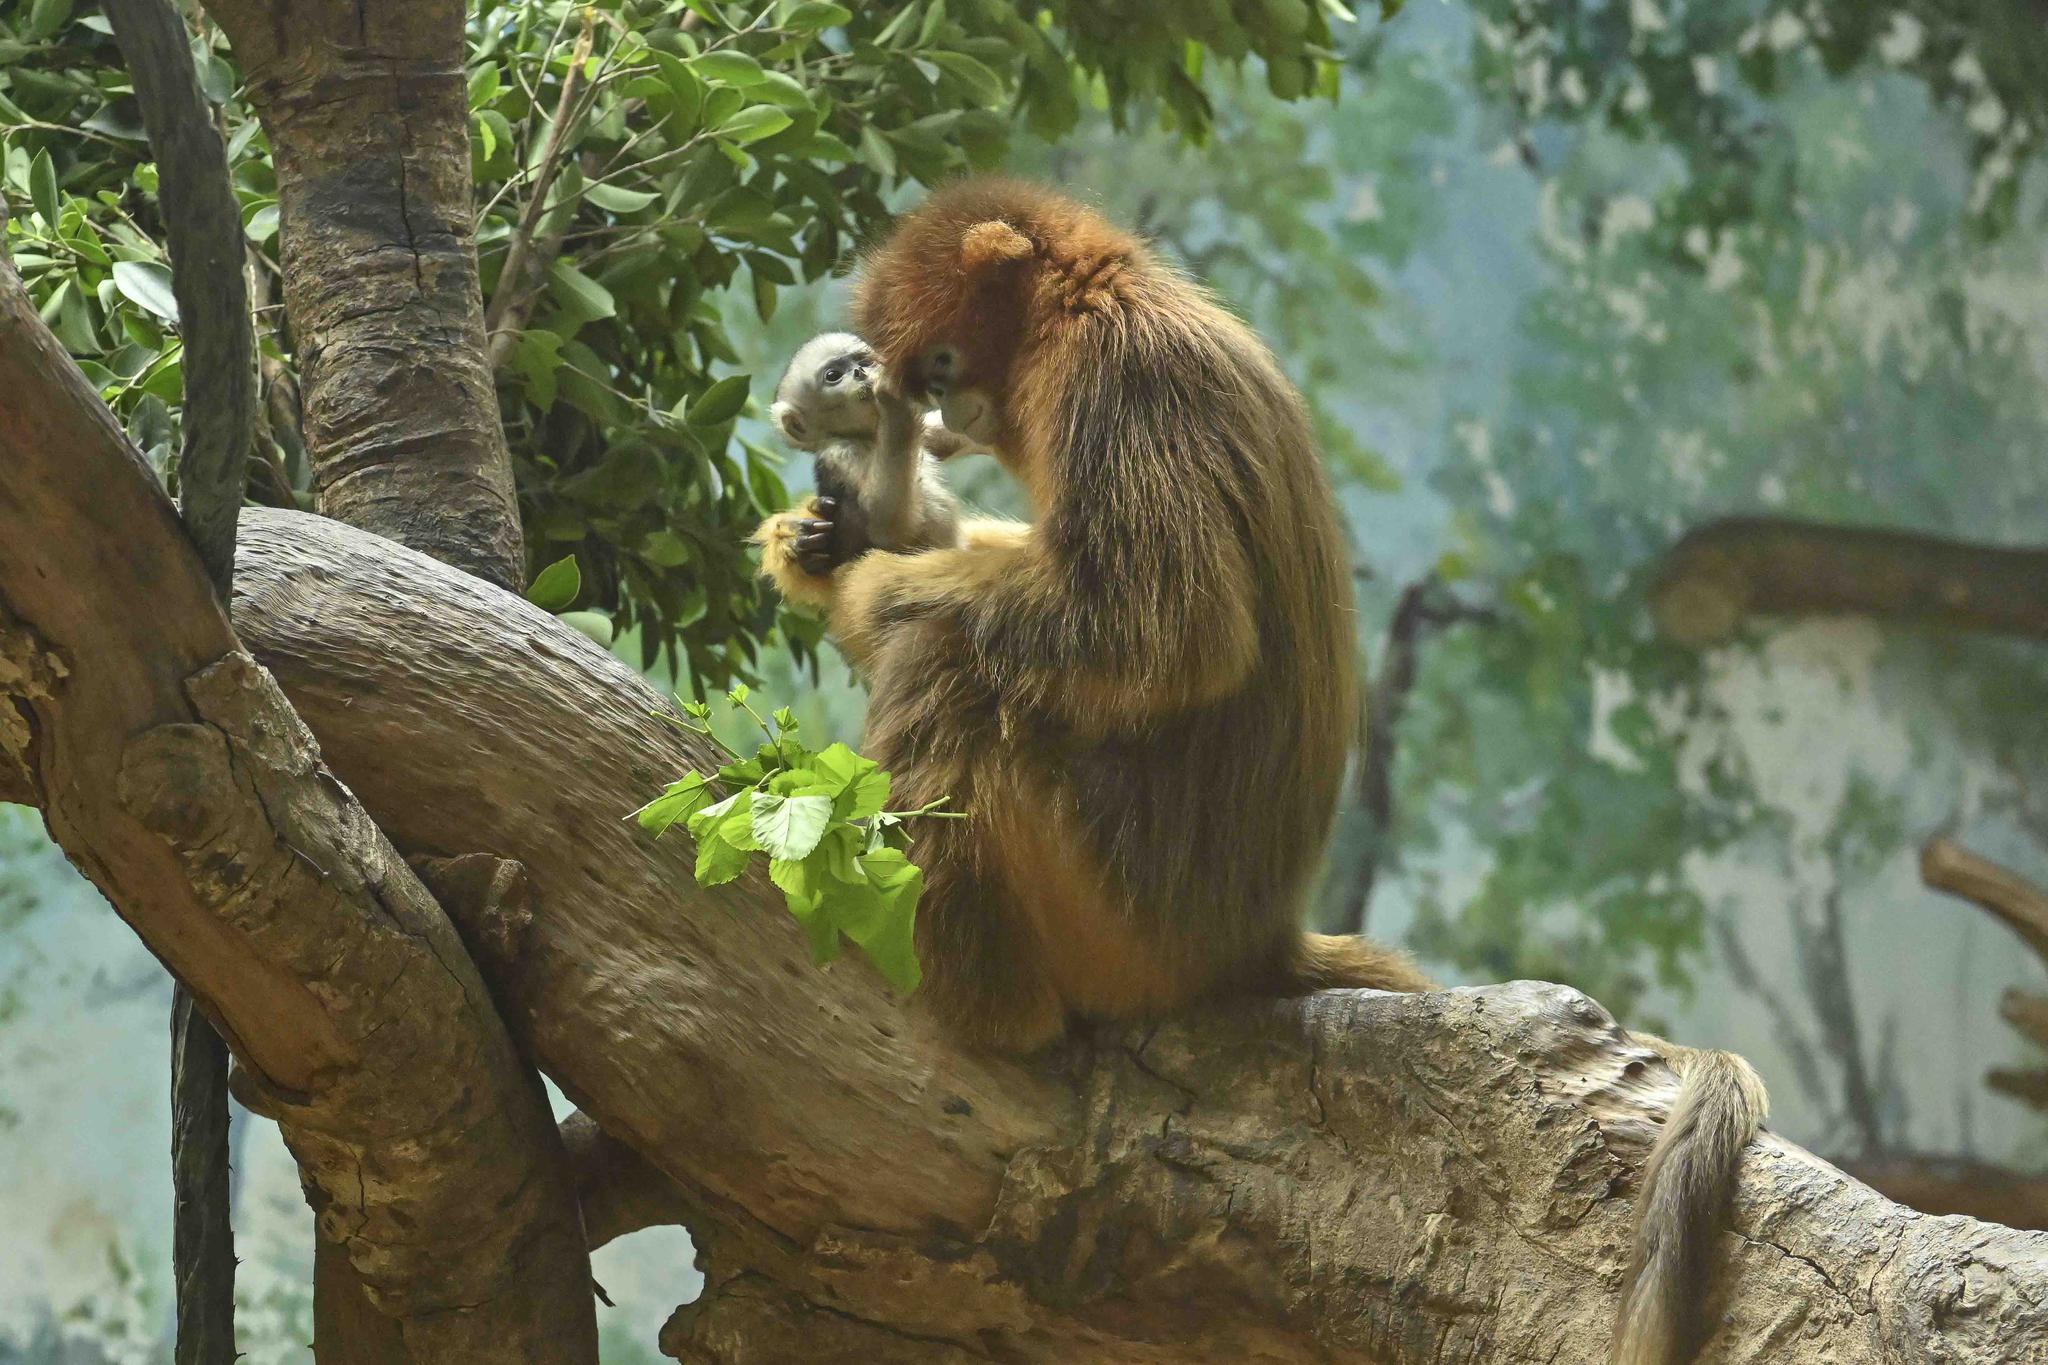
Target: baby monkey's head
x=828 y=392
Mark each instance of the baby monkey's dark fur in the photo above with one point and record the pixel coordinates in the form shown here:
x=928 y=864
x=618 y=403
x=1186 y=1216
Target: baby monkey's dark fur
x=1145 y=699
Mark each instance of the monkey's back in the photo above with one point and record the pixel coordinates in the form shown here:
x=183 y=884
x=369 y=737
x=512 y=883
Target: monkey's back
x=1164 y=856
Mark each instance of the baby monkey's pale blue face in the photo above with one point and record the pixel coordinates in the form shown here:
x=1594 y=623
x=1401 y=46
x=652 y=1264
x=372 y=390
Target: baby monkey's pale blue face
x=828 y=392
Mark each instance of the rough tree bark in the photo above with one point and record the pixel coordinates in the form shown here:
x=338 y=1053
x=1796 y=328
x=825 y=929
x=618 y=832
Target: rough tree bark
x=173 y=772
x=368 y=118
x=1355 y=1176
x=1723 y=573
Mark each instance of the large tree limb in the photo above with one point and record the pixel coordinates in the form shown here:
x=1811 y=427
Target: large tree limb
x=368 y=118
x=172 y=771
x=1356 y=1176
x=1723 y=573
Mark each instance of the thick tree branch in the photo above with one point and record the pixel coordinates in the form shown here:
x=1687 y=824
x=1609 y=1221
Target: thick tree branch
x=1438 y=1178
x=174 y=773
x=1722 y=574
x=1952 y=1184
x=368 y=118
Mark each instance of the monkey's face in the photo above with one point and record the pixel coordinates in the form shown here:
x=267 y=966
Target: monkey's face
x=947 y=301
x=940 y=374
x=828 y=393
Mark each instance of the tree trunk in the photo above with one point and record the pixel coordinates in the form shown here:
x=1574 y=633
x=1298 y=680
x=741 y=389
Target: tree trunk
x=1355 y=1176
x=368 y=117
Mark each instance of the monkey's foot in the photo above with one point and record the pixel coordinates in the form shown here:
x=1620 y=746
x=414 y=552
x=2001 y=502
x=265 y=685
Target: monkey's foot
x=780 y=563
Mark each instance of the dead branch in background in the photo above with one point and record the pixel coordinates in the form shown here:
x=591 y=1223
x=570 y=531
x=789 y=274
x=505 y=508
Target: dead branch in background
x=1720 y=575
x=1425 y=606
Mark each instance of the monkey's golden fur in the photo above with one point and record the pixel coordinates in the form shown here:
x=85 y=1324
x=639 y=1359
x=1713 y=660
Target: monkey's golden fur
x=1145 y=698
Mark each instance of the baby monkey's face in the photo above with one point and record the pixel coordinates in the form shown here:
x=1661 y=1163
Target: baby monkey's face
x=829 y=392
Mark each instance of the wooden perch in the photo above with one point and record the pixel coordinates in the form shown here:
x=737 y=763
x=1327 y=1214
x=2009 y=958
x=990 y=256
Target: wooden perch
x=1355 y=1176
x=1723 y=573
x=2017 y=903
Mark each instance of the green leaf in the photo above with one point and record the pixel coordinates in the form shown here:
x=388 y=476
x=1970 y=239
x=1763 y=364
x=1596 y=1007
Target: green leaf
x=680 y=801
x=557 y=585
x=876 y=152
x=42 y=188
x=983 y=85
x=665 y=549
x=595 y=624
x=816 y=14
x=720 y=403
x=708 y=12
x=754 y=123
x=582 y=296
x=617 y=199
x=734 y=68
x=148 y=285
x=262 y=224
x=790 y=826
x=718 y=862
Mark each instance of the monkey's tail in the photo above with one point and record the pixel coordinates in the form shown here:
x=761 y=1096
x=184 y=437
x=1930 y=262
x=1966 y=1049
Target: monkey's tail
x=1324 y=962
x=1688 y=1183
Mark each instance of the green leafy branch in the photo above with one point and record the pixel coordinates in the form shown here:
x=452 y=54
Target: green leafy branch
x=819 y=818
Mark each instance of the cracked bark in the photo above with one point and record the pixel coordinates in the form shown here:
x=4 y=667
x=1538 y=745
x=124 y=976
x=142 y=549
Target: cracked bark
x=368 y=118
x=176 y=776
x=1442 y=1178
x=1720 y=575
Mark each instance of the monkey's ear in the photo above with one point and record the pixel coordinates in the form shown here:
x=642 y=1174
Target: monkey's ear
x=992 y=243
x=789 y=420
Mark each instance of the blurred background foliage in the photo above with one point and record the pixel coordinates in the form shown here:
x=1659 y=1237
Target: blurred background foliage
x=1561 y=280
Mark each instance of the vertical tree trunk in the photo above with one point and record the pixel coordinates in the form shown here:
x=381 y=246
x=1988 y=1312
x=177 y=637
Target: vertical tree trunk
x=368 y=117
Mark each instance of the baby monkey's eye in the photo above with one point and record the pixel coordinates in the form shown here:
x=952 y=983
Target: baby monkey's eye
x=833 y=376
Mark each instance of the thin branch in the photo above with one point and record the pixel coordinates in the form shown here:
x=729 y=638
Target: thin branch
x=1425 y=606
x=203 y=231
x=514 y=295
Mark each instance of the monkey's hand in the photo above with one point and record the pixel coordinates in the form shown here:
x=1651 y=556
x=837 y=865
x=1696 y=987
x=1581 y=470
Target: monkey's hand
x=786 y=563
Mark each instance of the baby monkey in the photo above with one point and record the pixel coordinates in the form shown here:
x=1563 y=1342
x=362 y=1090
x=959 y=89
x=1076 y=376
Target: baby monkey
x=877 y=470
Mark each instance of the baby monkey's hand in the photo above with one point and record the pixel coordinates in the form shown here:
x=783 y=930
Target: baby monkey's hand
x=835 y=536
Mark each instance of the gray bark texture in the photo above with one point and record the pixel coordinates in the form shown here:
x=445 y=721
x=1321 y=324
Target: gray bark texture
x=368 y=117
x=1354 y=1176
x=175 y=775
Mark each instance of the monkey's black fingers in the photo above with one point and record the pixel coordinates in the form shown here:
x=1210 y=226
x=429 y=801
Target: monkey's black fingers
x=827 y=507
x=815 y=562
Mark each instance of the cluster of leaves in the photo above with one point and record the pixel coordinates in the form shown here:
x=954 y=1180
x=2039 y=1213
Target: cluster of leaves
x=1702 y=79
x=660 y=160
x=818 y=817
x=82 y=226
